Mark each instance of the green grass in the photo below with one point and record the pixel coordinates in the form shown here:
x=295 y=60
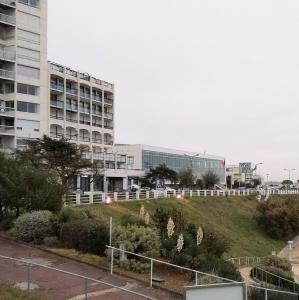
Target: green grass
x=8 y=292
x=234 y=216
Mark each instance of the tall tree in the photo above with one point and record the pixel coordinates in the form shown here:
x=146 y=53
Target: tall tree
x=210 y=178
x=186 y=178
x=159 y=174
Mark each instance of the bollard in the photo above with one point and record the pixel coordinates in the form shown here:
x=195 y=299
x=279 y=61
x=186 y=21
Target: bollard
x=28 y=277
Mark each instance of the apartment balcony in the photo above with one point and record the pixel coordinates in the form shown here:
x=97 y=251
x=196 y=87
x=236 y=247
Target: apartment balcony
x=72 y=137
x=97 y=113
x=56 y=135
x=108 y=101
x=6 y=111
x=86 y=155
x=84 y=139
x=84 y=122
x=98 y=156
x=97 y=98
x=7 y=55
x=108 y=127
x=56 y=117
x=110 y=143
x=97 y=141
x=6 y=19
x=57 y=87
x=7 y=74
x=84 y=110
x=10 y=3
x=57 y=104
x=97 y=125
x=73 y=108
x=7 y=130
x=71 y=120
x=108 y=116
x=71 y=91
x=85 y=95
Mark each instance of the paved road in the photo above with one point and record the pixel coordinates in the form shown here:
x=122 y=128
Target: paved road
x=59 y=286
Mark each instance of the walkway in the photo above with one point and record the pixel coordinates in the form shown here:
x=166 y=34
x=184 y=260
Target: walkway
x=61 y=286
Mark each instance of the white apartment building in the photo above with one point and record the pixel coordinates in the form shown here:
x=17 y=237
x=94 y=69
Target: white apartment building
x=23 y=72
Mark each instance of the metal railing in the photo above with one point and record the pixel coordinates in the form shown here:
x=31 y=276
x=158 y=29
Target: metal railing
x=72 y=91
x=7 y=129
x=7 y=55
x=85 y=279
x=7 y=74
x=245 y=260
x=57 y=104
x=108 y=116
x=108 y=101
x=4 y=109
x=7 y=19
x=58 y=87
x=196 y=273
x=8 y=2
x=151 y=194
x=97 y=98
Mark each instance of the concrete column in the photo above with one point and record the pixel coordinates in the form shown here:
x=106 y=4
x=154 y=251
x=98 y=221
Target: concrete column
x=115 y=196
x=290 y=250
x=125 y=183
x=78 y=182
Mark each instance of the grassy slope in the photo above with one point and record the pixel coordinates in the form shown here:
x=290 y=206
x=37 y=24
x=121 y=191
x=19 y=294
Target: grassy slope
x=234 y=216
x=9 y=293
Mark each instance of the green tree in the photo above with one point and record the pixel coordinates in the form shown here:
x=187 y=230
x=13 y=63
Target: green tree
x=61 y=158
x=210 y=178
x=159 y=175
x=186 y=178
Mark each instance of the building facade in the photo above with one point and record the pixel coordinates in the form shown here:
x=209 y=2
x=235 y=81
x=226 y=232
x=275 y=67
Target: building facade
x=144 y=157
x=23 y=72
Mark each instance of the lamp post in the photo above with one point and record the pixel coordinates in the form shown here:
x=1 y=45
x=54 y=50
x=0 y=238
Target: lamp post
x=191 y=157
x=267 y=179
x=290 y=171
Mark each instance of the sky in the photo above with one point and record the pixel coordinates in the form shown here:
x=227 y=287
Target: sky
x=197 y=75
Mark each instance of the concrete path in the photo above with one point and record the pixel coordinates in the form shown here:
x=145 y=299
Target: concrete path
x=60 y=286
x=245 y=273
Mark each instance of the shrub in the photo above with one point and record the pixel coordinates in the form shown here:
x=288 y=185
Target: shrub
x=7 y=223
x=138 y=239
x=85 y=235
x=52 y=242
x=131 y=220
x=227 y=270
x=279 y=218
x=34 y=227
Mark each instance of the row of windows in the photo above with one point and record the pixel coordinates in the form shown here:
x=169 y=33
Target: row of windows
x=32 y=3
x=28 y=36
x=28 y=89
x=28 y=54
x=28 y=71
x=28 y=20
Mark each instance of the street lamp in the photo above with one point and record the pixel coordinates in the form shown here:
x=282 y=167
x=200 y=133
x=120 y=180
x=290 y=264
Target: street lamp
x=290 y=171
x=191 y=157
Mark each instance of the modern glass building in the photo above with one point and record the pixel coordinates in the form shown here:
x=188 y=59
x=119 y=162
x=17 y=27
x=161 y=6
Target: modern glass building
x=144 y=157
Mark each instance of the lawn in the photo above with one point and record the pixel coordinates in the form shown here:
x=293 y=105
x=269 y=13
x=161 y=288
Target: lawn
x=234 y=216
x=8 y=292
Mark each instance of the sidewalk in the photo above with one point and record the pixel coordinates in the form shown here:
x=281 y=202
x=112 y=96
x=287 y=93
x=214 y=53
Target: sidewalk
x=60 y=286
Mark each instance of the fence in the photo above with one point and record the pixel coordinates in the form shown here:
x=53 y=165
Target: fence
x=245 y=261
x=274 y=280
x=99 y=197
x=85 y=279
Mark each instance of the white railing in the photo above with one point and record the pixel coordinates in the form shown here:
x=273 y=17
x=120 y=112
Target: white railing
x=245 y=261
x=7 y=19
x=100 y=197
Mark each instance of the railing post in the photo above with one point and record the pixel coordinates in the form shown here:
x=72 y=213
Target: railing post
x=183 y=193
x=127 y=196
x=91 y=198
x=78 y=200
x=115 y=196
x=152 y=270
x=191 y=193
x=205 y=193
x=218 y=193
x=86 y=296
x=137 y=195
x=196 y=278
x=266 y=294
x=174 y=193
x=111 y=267
x=104 y=197
x=165 y=194
x=147 y=194
x=28 y=276
x=156 y=195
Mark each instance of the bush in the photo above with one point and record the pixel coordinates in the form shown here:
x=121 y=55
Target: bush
x=131 y=220
x=227 y=270
x=85 y=235
x=7 y=223
x=52 y=242
x=138 y=239
x=34 y=227
x=279 y=218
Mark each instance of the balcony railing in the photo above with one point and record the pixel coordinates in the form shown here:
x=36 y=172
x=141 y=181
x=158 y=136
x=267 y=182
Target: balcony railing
x=85 y=139
x=110 y=143
x=97 y=113
x=7 y=19
x=108 y=116
x=72 y=107
x=8 y=2
x=56 y=135
x=96 y=125
x=72 y=137
x=97 y=141
x=108 y=101
x=56 y=117
x=108 y=127
x=57 y=87
x=4 y=109
x=84 y=122
x=97 y=98
x=57 y=104
x=72 y=91
x=7 y=55
x=71 y=120
x=98 y=156
x=86 y=155
x=84 y=95
x=7 y=129
x=84 y=110
x=7 y=74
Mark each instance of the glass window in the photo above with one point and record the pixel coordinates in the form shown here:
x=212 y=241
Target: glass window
x=32 y=3
x=27 y=107
x=28 y=71
x=28 y=89
x=28 y=36
x=28 y=54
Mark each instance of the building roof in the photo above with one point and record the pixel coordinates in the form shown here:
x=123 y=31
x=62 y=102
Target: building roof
x=172 y=151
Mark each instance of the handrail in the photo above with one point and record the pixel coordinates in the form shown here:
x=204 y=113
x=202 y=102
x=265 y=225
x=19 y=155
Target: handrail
x=75 y=275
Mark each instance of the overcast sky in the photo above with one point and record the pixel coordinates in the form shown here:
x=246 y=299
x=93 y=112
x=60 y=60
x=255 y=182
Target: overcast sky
x=199 y=75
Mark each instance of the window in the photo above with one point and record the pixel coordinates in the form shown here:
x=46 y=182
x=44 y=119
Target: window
x=28 y=71
x=28 y=36
x=27 y=125
x=28 y=19
x=28 y=54
x=32 y=3
x=28 y=107
x=7 y=88
x=28 y=89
